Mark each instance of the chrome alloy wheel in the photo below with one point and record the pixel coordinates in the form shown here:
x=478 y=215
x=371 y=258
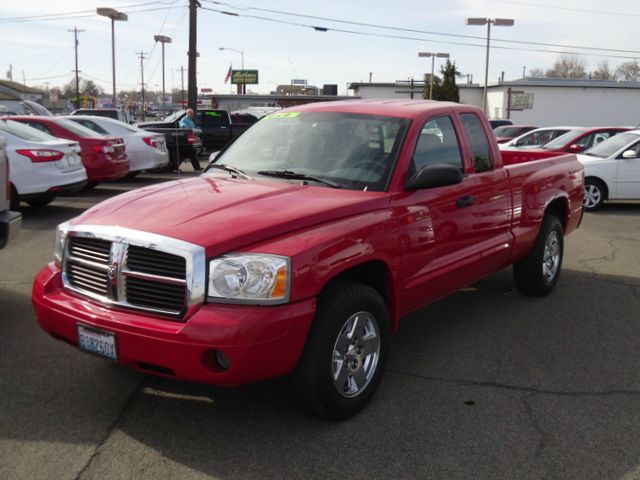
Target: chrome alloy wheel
x=355 y=354
x=592 y=196
x=551 y=257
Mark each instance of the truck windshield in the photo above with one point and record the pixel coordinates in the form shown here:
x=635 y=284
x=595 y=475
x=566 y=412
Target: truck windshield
x=355 y=151
x=611 y=145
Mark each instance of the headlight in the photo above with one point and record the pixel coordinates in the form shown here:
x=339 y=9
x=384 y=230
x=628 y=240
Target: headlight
x=249 y=278
x=61 y=237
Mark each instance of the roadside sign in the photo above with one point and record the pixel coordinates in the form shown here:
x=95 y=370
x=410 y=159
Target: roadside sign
x=206 y=90
x=247 y=77
x=53 y=95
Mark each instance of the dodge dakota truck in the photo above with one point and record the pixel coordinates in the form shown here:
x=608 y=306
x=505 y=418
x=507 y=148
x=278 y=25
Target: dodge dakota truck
x=299 y=250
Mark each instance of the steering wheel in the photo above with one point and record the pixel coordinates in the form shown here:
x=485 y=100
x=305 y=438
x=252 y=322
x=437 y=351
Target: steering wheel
x=369 y=164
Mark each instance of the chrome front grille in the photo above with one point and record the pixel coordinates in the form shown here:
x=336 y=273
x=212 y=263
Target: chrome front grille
x=136 y=270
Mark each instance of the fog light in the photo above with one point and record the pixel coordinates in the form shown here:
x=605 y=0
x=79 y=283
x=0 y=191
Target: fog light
x=222 y=359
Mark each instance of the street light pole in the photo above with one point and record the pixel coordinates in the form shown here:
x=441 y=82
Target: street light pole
x=114 y=15
x=162 y=39
x=433 y=56
x=241 y=52
x=498 y=22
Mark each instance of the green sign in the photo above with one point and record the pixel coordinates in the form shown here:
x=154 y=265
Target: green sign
x=247 y=77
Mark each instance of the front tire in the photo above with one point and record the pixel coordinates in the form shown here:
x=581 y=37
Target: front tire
x=346 y=352
x=594 y=194
x=538 y=272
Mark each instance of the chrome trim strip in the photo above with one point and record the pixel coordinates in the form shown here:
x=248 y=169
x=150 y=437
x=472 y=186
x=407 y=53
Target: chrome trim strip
x=88 y=263
x=153 y=278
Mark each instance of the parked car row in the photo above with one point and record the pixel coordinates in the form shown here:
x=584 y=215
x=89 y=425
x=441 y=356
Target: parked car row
x=48 y=156
x=610 y=155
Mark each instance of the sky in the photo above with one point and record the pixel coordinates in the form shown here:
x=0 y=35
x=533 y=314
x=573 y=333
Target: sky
x=278 y=39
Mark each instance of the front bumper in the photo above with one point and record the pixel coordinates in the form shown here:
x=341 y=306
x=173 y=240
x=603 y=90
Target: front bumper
x=10 y=223
x=260 y=342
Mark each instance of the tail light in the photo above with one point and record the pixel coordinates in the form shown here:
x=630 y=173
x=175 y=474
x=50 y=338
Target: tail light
x=107 y=148
x=149 y=141
x=191 y=137
x=41 y=155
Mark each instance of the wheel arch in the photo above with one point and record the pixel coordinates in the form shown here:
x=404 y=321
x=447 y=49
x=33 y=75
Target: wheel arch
x=559 y=207
x=377 y=275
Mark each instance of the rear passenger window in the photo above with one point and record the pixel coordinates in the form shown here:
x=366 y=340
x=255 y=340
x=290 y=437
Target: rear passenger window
x=438 y=144
x=39 y=126
x=480 y=146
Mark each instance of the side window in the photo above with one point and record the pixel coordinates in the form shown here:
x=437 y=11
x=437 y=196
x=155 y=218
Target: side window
x=39 y=126
x=212 y=118
x=93 y=126
x=480 y=146
x=438 y=143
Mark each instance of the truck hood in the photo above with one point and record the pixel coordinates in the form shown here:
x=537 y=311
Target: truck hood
x=227 y=214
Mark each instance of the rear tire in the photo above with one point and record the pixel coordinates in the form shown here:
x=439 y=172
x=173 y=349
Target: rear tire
x=346 y=352
x=538 y=272
x=594 y=194
x=42 y=202
x=14 y=201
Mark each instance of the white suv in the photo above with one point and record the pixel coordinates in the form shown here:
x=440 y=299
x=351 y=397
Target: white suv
x=9 y=221
x=41 y=166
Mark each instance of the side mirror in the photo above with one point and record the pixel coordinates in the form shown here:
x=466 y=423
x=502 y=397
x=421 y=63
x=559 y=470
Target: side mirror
x=629 y=154
x=575 y=148
x=433 y=176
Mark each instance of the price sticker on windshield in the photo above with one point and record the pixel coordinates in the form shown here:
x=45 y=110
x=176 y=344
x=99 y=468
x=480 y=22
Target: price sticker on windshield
x=282 y=115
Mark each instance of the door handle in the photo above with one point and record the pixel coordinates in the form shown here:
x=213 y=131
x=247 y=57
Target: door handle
x=465 y=201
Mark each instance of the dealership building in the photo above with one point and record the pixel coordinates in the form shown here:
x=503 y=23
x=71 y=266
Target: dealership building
x=537 y=101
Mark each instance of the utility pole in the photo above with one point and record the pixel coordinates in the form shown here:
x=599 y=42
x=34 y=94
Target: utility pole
x=10 y=73
x=182 y=85
x=192 y=96
x=142 y=57
x=75 y=36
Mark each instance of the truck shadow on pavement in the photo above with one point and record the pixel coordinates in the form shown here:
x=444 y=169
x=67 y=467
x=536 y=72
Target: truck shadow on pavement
x=484 y=384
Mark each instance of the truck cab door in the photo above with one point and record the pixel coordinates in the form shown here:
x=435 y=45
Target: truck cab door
x=216 y=128
x=435 y=236
x=491 y=196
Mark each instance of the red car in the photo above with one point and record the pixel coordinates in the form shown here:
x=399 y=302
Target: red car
x=509 y=132
x=300 y=249
x=574 y=141
x=103 y=157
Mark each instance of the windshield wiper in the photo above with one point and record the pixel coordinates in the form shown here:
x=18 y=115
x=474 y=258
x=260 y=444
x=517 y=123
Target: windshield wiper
x=232 y=170
x=288 y=174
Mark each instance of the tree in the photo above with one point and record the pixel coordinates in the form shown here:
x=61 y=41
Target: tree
x=603 y=72
x=447 y=89
x=628 y=71
x=536 y=73
x=88 y=87
x=568 y=66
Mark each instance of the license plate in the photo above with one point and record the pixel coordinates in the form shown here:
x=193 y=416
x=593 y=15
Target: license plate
x=97 y=342
x=73 y=159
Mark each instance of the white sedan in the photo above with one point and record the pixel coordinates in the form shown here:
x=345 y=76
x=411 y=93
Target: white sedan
x=146 y=150
x=612 y=170
x=40 y=166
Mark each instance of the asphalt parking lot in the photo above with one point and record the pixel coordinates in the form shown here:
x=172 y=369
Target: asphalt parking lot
x=484 y=384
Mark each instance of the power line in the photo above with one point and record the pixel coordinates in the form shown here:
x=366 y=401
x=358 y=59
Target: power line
x=420 y=39
x=568 y=9
x=48 y=15
x=73 y=17
x=401 y=29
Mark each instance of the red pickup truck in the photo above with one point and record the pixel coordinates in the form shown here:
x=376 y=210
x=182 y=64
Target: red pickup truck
x=298 y=252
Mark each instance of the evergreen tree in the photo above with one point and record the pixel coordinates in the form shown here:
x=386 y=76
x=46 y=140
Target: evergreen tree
x=447 y=89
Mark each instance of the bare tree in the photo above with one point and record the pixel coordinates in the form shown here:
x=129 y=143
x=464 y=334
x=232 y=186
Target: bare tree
x=603 y=72
x=568 y=66
x=536 y=73
x=628 y=71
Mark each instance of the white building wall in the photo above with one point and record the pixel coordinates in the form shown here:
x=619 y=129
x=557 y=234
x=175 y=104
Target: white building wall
x=593 y=106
